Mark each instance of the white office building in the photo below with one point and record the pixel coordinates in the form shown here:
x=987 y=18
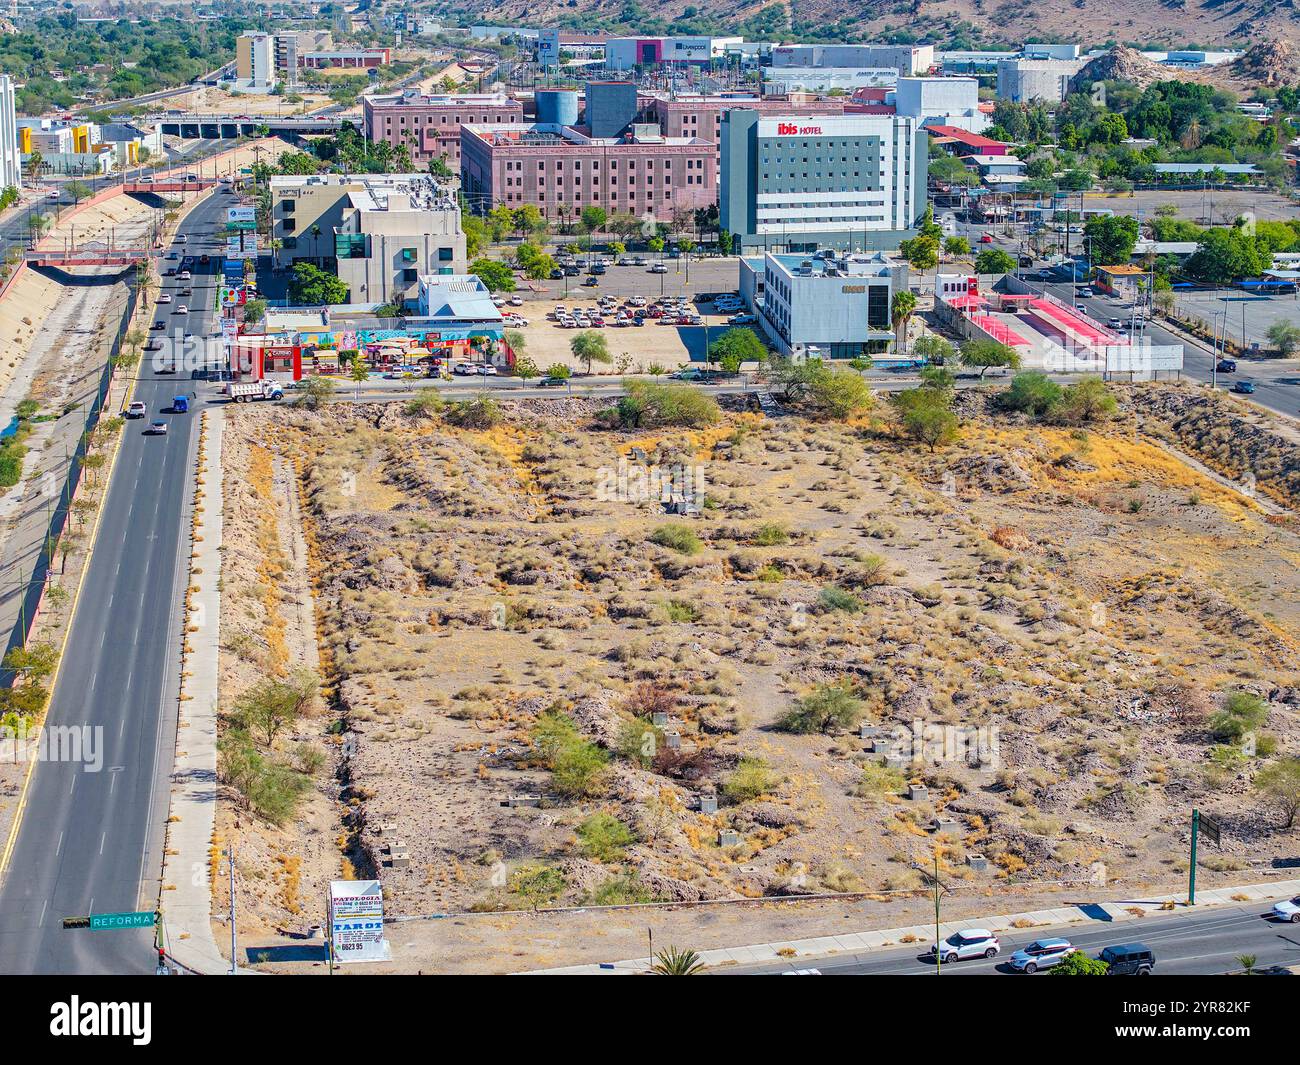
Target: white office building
x=907 y=60
x=800 y=183
x=1023 y=81
x=941 y=102
x=11 y=163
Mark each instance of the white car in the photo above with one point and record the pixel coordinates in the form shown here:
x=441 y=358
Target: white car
x=972 y=943
x=515 y=301
x=1288 y=910
x=136 y=409
x=156 y=429
x=181 y=309
x=500 y=301
x=462 y=368
x=658 y=268
x=741 y=319
x=1041 y=954
x=485 y=369
x=165 y=298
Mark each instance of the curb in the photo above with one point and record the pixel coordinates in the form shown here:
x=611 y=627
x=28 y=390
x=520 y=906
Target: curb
x=920 y=935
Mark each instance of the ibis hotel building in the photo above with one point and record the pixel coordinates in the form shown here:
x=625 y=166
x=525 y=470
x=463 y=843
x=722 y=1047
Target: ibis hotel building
x=797 y=183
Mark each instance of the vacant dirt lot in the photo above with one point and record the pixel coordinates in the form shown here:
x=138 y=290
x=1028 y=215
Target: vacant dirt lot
x=503 y=614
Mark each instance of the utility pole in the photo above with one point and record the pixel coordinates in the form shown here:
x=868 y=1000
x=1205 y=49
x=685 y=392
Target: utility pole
x=230 y=856
x=938 y=946
x=1191 y=870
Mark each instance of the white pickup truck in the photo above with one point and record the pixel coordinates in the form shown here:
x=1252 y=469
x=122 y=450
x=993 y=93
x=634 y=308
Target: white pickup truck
x=245 y=391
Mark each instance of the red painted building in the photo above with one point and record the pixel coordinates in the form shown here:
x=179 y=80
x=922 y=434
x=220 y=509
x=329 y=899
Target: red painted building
x=429 y=126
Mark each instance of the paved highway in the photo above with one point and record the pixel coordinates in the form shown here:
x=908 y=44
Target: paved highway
x=92 y=841
x=1190 y=944
x=1277 y=381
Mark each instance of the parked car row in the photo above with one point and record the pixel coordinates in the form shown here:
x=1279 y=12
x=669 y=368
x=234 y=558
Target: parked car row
x=1124 y=959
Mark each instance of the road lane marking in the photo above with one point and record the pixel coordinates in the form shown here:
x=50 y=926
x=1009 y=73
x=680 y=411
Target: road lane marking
x=60 y=845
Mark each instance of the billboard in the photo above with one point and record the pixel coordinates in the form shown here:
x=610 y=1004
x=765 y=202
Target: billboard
x=548 y=48
x=243 y=218
x=356 y=918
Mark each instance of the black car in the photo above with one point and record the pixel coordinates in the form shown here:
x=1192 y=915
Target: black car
x=557 y=274
x=1129 y=959
x=571 y=271
x=1226 y=366
x=591 y=282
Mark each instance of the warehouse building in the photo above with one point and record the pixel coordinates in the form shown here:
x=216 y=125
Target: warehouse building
x=907 y=60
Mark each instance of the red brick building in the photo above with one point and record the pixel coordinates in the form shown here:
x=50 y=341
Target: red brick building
x=701 y=116
x=429 y=126
x=562 y=170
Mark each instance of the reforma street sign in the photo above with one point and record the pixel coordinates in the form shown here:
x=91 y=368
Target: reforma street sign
x=108 y=921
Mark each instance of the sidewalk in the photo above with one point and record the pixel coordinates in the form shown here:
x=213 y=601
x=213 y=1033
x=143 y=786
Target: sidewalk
x=188 y=857
x=920 y=936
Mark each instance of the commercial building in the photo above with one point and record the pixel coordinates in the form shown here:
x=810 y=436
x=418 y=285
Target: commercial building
x=561 y=170
x=255 y=62
x=701 y=116
x=626 y=53
x=611 y=107
x=847 y=182
x=941 y=101
x=907 y=60
x=962 y=142
x=429 y=125
x=378 y=233
x=1046 y=80
x=784 y=80
x=363 y=58
x=11 y=163
x=828 y=305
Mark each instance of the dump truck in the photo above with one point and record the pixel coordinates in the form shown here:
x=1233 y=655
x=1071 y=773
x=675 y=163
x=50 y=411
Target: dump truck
x=245 y=391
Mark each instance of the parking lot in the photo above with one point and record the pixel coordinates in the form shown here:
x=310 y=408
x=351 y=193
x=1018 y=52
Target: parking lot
x=1248 y=316
x=681 y=279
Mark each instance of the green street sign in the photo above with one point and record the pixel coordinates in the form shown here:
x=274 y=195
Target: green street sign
x=140 y=919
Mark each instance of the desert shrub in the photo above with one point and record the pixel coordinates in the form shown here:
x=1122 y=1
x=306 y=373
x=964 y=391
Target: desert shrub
x=638 y=741
x=604 y=837
x=751 y=778
x=878 y=779
x=268 y=787
x=625 y=889
x=649 y=698
x=1240 y=714
x=681 y=610
x=654 y=403
x=536 y=884
x=427 y=401
x=828 y=708
x=482 y=412
x=678 y=538
x=574 y=762
x=272 y=705
x=771 y=534
x=829 y=599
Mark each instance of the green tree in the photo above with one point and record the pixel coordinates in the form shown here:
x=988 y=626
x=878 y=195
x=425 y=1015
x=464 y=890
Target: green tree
x=314 y=391
x=1284 y=336
x=254 y=311
x=737 y=346
x=78 y=190
x=1077 y=963
x=987 y=354
x=593 y=218
x=841 y=393
x=828 y=708
x=1279 y=783
x=526 y=369
x=901 y=309
x=921 y=252
x=1240 y=715
x=994 y=261
x=924 y=415
x=1033 y=393
x=311 y=286
x=1112 y=238
x=498 y=277
x=957 y=246
x=589 y=346
x=1087 y=400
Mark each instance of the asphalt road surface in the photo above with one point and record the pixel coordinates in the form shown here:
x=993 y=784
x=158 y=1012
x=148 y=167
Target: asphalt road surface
x=1190 y=944
x=91 y=842
x=1277 y=381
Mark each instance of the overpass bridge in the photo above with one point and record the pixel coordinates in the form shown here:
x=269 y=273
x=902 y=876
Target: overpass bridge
x=87 y=255
x=228 y=127
x=159 y=185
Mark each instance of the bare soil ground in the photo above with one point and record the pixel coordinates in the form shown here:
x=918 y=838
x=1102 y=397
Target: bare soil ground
x=1088 y=595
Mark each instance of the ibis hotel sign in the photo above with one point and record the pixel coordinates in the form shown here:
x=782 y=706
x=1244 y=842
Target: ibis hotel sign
x=856 y=126
x=792 y=129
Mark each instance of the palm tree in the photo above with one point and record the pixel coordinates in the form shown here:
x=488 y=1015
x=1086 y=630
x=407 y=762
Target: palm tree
x=901 y=309
x=674 y=962
x=1247 y=963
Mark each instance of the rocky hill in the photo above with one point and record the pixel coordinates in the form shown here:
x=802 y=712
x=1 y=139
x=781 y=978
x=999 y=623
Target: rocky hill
x=956 y=23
